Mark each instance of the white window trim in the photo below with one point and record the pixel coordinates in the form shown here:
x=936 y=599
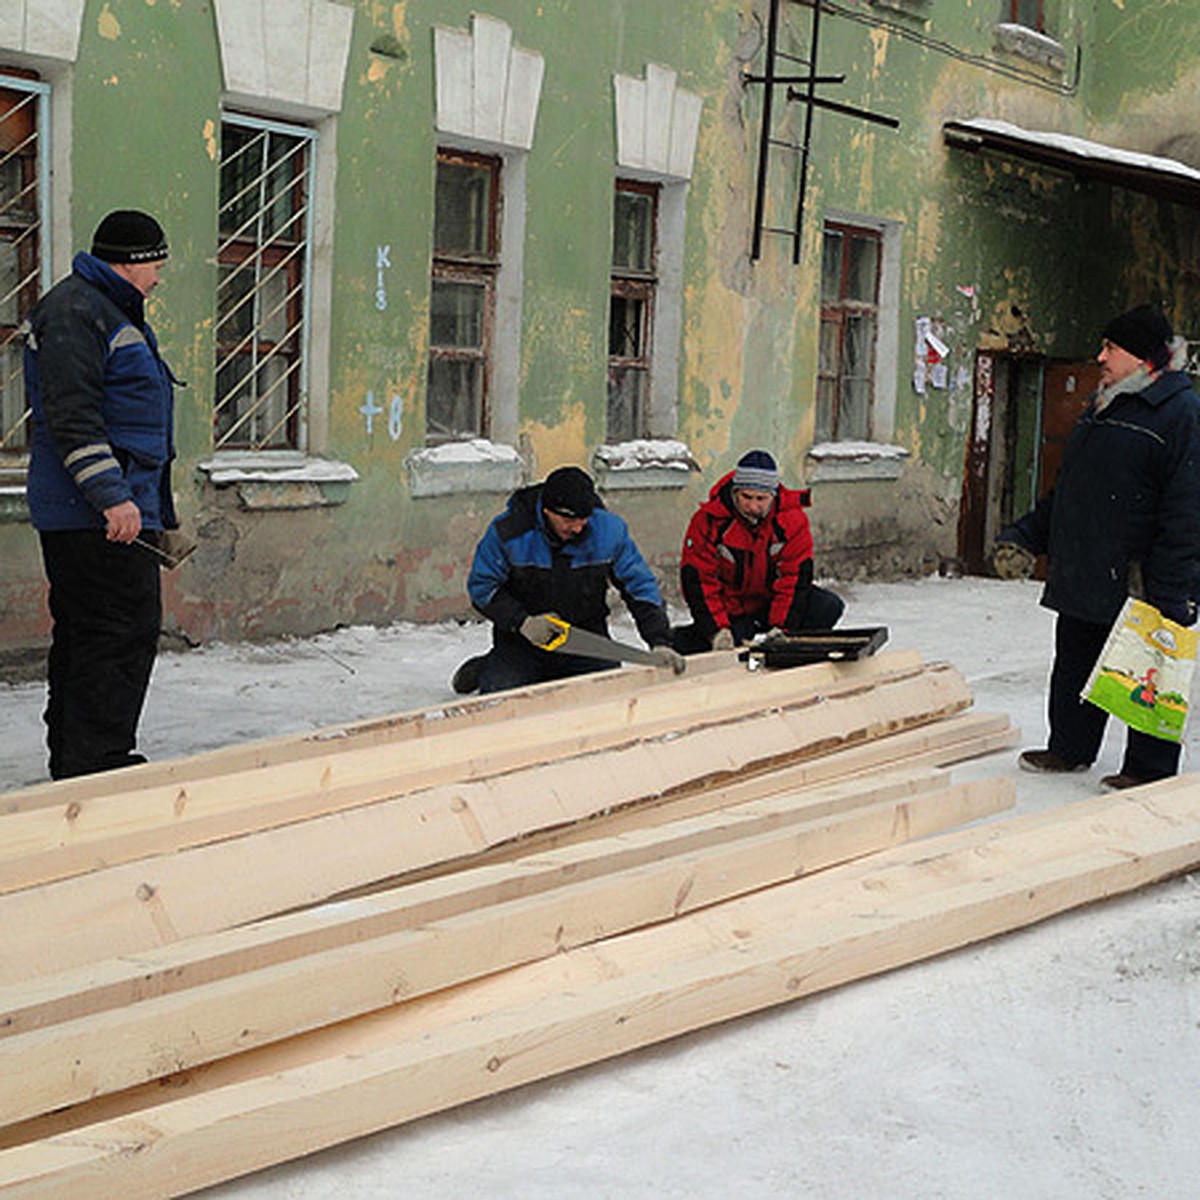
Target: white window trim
x=265 y=76
x=488 y=91
x=657 y=128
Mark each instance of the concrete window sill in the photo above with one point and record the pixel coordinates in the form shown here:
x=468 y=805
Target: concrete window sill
x=280 y=481
x=643 y=464
x=462 y=467
x=848 y=462
x=1029 y=44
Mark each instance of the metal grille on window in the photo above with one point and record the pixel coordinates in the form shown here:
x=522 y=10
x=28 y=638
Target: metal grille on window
x=631 y=306
x=23 y=217
x=466 y=258
x=264 y=229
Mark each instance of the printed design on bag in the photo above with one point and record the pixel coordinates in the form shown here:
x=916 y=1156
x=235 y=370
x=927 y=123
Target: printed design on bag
x=1144 y=673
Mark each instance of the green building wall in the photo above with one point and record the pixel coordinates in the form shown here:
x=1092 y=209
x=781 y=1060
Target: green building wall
x=1004 y=255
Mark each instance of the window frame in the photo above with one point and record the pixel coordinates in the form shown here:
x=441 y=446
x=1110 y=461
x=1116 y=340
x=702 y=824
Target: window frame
x=1014 y=15
x=34 y=266
x=476 y=269
x=638 y=284
x=296 y=257
x=830 y=386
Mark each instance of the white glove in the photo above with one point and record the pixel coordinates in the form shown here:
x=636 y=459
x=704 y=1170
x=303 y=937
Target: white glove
x=540 y=629
x=664 y=656
x=1011 y=561
x=723 y=639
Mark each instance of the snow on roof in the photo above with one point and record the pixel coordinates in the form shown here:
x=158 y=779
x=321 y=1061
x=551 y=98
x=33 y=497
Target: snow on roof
x=1080 y=147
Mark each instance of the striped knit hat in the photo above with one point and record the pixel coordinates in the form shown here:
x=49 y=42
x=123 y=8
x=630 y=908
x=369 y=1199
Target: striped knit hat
x=756 y=471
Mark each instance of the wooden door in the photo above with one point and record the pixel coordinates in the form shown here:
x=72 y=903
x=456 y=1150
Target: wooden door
x=1068 y=388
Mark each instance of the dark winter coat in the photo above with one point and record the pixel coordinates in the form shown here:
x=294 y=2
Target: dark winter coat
x=520 y=569
x=730 y=568
x=1127 y=494
x=102 y=401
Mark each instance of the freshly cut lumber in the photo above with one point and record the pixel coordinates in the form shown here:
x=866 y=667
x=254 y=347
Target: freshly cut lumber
x=554 y=698
x=54 y=841
x=629 y=991
x=618 y=884
x=126 y=908
x=96 y=987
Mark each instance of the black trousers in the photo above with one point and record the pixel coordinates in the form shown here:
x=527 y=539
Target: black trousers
x=514 y=662
x=106 y=604
x=823 y=610
x=1077 y=727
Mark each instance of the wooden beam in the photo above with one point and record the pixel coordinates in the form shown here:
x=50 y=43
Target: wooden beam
x=458 y=715
x=616 y=887
x=50 y=842
x=535 y=1021
x=128 y=907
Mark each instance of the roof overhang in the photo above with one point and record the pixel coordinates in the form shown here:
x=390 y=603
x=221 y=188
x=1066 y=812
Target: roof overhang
x=1165 y=178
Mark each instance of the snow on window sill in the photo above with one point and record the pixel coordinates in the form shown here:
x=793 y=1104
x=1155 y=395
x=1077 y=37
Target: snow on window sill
x=849 y=461
x=645 y=463
x=1029 y=43
x=281 y=479
x=455 y=467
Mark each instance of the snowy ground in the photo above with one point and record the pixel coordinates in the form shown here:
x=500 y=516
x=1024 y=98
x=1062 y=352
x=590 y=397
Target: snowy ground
x=1057 y=1062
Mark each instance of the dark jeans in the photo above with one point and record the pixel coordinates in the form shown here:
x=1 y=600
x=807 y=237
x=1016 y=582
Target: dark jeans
x=513 y=662
x=823 y=611
x=106 y=604
x=1076 y=726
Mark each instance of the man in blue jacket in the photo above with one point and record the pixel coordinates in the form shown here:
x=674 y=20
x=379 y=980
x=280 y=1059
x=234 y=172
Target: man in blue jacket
x=554 y=551
x=1122 y=519
x=99 y=489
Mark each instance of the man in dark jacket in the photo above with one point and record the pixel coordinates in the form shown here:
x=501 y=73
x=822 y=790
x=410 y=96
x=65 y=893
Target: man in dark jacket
x=99 y=489
x=553 y=552
x=1122 y=519
x=747 y=562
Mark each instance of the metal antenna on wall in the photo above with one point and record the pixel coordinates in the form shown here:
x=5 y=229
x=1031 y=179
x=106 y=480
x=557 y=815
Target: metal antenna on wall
x=805 y=94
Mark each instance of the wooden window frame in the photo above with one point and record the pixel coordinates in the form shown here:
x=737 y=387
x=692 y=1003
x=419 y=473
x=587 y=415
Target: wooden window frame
x=627 y=283
x=477 y=270
x=837 y=311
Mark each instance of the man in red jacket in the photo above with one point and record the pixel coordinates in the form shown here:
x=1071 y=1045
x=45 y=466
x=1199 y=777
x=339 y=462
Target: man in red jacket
x=747 y=565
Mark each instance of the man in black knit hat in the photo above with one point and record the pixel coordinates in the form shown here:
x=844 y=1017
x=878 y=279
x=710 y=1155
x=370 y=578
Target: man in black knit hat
x=99 y=489
x=1123 y=519
x=553 y=552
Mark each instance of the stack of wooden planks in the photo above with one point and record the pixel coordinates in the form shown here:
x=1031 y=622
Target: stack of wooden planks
x=219 y=963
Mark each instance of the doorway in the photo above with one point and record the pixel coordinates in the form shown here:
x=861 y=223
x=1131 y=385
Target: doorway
x=1023 y=409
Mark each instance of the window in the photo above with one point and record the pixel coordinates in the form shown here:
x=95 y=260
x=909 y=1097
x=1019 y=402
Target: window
x=264 y=231
x=1029 y=13
x=22 y=221
x=463 y=296
x=631 y=310
x=850 y=263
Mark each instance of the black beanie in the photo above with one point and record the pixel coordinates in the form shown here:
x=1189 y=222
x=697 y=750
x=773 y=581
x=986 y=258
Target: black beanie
x=1144 y=332
x=569 y=492
x=128 y=236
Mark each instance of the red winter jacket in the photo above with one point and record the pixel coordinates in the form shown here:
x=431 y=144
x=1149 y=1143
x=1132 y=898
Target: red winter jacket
x=730 y=568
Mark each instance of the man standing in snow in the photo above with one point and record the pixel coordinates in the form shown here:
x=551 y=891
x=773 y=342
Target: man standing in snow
x=553 y=552
x=1122 y=519
x=102 y=401
x=747 y=564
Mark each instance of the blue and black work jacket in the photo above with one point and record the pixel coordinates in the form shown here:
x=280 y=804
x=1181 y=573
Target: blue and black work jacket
x=520 y=569
x=1126 y=502
x=102 y=401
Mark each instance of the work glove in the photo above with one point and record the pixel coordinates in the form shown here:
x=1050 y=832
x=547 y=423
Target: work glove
x=723 y=639
x=1182 y=612
x=664 y=656
x=540 y=629
x=1013 y=561
x=174 y=545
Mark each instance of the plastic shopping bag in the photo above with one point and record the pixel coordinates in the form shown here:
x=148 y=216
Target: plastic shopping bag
x=1144 y=673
